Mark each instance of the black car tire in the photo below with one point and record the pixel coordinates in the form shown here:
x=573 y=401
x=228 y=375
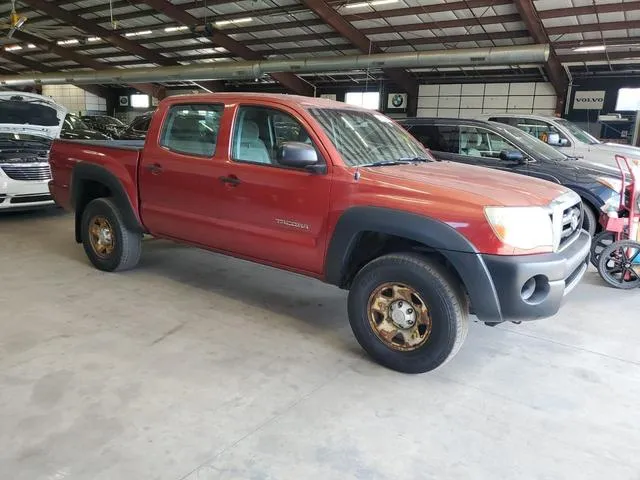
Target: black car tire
x=127 y=244
x=590 y=220
x=437 y=288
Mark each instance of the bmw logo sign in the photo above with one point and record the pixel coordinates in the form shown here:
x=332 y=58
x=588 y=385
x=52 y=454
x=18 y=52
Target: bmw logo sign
x=397 y=100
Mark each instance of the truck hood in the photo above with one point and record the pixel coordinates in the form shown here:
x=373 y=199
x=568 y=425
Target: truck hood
x=28 y=113
x=483 y=186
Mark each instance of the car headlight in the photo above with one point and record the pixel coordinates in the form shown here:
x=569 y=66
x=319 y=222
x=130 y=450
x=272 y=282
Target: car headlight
x=525 y=228
x=613 y=183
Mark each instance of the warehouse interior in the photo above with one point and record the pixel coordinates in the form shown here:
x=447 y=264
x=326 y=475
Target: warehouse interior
x=202 y=363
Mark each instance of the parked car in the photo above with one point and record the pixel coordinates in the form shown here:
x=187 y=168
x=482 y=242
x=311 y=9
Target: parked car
x=75 y=129
x=137 y=129
x=28 y=124
x=567 y=137
x=104 y=124
x=354 y=201
x=503 y=147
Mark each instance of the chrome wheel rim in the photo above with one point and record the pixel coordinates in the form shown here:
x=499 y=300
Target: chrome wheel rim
x=399 y=317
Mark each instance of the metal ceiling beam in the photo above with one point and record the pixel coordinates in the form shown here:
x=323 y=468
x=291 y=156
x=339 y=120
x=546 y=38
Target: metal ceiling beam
x=399 y=76
x=590 y=10
x=89 y=26
x=39 y=67
x=553 y=68
x=289 y=80
x=594 y=27
x=148 y=88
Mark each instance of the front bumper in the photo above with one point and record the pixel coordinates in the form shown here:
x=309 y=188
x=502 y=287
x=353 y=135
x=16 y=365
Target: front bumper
x=529 y=287
x=16 y=195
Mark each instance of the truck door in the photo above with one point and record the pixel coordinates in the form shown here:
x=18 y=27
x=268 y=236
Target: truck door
x=177 y=177
x=269 y=212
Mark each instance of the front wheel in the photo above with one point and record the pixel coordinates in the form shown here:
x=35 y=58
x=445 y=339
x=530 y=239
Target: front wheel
x=408 y=313
x=590 y=220
x=600 y=242
x=107 y=241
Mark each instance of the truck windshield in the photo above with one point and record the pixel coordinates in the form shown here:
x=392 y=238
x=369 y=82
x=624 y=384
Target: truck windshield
x=577 y=132
x=368 y=138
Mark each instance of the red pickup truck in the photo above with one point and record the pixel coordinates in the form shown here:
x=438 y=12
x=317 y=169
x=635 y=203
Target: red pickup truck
x=338 y=193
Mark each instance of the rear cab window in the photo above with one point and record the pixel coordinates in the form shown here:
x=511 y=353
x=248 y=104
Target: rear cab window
x=192 y=129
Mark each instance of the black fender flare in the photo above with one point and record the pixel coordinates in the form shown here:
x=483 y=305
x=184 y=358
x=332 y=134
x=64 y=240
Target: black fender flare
x=84 y=172
x=431 y=233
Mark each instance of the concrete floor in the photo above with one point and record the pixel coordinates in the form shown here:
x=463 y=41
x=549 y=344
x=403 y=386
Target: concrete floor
x=195 y=366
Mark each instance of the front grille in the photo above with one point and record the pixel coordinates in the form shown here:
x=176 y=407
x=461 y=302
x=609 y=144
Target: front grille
x=566 y=217
x=571 y=223
x=27 y=172
x=31 y=198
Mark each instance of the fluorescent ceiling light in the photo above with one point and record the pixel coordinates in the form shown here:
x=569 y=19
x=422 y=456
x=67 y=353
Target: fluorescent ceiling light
x=13 y=48
x=31 y=45
x=176 y=29
x=595 y=48
x=71 y=41
x=237 y=20
x=93 y=39
x=137 y=34
x=372 y=3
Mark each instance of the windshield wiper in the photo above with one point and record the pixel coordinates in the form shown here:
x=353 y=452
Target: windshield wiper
x=399 y=161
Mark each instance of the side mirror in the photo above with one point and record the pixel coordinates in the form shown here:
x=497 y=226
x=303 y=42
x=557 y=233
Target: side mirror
x=513 y=156
x=554 y=139
x=564 y=142
x=298 y=155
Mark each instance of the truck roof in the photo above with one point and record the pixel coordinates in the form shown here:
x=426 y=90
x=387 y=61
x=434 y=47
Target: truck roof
x=518 y=115
x=284 y=99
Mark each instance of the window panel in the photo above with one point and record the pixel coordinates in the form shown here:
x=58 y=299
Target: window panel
x=191 y=129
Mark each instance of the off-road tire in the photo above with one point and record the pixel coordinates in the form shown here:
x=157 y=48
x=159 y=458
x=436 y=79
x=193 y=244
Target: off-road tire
x=439 y=289
x=128 y=243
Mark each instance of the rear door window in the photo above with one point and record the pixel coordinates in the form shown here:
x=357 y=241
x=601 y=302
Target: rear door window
x=192 y=129
x=439 y=138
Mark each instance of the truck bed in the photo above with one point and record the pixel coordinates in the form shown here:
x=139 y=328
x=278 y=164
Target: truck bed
x=121 y=144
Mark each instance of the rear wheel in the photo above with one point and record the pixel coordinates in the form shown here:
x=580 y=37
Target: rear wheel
x=408 y=313
x=107 y=241
x=617 y=264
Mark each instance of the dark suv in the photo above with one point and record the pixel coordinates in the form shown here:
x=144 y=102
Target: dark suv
x=494 y=145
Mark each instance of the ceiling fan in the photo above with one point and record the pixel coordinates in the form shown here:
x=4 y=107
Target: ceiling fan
x=19 y=23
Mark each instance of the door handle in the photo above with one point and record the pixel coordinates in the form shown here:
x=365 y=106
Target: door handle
x=154 y=168
x=231 y=180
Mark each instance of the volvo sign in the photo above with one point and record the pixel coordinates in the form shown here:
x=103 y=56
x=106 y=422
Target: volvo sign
x=589 y=100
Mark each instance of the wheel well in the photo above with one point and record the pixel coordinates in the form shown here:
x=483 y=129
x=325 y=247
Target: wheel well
x=371 y=245
x=87 y=191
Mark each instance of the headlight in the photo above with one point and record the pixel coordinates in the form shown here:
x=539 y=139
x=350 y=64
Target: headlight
x=613 y=183
x=525 y=228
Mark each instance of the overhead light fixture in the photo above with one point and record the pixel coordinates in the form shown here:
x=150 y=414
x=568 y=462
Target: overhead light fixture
x=176 y=29
x=372 y=3
x=31 y=45
x=93 y=39
x=236 y=20
x=13 y=48
x=71 y=41
x=594 y=48
x=137 y=34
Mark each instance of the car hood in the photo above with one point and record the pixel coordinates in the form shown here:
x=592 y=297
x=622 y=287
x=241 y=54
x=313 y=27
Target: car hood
x=616 y=149
x=574 y=170
x=479 y=185
x=28 y=113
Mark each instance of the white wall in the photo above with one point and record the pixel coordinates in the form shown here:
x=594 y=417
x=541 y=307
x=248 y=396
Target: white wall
x=470 y=100
x=75 y=99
